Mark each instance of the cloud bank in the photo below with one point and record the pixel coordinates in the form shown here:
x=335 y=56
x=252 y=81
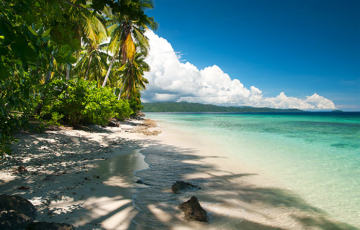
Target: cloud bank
x=172 y=80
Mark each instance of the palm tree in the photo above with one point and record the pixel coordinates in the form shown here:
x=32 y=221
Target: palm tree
x=92 y=60
x=127 y=30
x=132 y=75
x=91 y=31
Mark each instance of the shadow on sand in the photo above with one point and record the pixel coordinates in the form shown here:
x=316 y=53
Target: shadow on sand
x=104 y=197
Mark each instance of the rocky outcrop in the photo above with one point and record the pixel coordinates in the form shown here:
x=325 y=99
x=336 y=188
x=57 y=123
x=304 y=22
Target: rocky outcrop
x=182 y=186
x=49 y=226
x=15 y=212
x=193 y=210
x=140 y=114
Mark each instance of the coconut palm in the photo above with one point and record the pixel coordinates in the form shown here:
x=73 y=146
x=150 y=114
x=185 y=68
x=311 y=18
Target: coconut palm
x=91 y=61
x=132 y=74
x=127 y=30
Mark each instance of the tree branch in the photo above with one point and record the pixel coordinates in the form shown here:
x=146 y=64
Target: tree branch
x=76 y=5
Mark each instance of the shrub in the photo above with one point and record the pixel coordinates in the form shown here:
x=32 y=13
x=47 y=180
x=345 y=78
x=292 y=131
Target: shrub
x=81 y=101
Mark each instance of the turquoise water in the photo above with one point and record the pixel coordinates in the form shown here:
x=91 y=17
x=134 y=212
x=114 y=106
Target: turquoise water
x=316 y=155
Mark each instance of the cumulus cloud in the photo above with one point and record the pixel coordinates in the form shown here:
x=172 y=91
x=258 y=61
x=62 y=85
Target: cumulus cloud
x=172 y=80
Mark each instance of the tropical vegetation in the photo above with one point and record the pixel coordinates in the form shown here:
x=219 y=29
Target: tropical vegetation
x=71 y=61
x=204 y=108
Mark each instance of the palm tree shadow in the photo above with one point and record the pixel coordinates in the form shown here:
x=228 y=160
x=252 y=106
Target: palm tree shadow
x=169 y=164
x=115 y=201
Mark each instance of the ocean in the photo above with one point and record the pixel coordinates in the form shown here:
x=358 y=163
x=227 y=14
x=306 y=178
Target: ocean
x=315 y=155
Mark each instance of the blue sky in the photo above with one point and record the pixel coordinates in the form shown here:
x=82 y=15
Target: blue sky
x=296 y=47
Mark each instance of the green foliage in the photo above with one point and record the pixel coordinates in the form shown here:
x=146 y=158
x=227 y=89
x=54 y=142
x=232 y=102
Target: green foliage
x=8 y=126
x=78 y=102
x=197 y=107
x=40 y=41
x=135 y=104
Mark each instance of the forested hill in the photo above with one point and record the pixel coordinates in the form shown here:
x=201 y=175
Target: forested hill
x=197 y=107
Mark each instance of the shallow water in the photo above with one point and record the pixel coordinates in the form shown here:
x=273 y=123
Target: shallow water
x=315 y=155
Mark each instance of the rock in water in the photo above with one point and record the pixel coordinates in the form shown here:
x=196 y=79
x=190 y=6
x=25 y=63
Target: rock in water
x=49 y=226
x=181 y=185
x=16 y=212
x=193 y=210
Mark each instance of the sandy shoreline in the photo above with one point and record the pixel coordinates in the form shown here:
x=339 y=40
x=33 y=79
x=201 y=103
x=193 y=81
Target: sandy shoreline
x=86 y=178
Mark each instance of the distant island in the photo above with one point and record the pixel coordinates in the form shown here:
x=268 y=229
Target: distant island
x=197 y=107
x=337 y=111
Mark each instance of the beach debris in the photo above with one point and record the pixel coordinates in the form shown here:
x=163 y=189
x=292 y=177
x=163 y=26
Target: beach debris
x=23 y=188
x=193 y=210
x=49 y=226
x=16 y=212
x=183 y=186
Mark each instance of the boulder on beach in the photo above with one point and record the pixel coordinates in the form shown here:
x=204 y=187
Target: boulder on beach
x=140 y=114
x=182 y=186
x=12 y=219
x=16 y=212
x=193 y=210
x=49 y=226
x=113 y=123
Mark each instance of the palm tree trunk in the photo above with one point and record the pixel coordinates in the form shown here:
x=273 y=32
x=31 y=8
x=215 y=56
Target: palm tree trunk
x=122 y=87
x=109 y=70
x=88 y=68
x=128 y=91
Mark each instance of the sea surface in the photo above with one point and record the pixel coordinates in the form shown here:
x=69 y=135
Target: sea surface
x=316 y=155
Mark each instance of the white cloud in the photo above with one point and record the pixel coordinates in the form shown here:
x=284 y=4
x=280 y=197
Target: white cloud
x=172 y=80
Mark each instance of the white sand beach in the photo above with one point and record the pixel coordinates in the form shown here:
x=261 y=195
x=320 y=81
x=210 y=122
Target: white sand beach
x=86 y=178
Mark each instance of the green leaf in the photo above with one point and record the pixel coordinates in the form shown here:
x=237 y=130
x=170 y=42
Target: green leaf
x=46 y=33
x=66 y=49
x=32 y=31
x=29 y=18
x=72 y=59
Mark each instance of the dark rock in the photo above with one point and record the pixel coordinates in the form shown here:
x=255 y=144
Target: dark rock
x=181 y=185
x=16 y=212
x=17 y=203
x=12 y=219
x=142 y=182
x=113 y=124
x=193 y=210
x=49 y=226
x=23 y=188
